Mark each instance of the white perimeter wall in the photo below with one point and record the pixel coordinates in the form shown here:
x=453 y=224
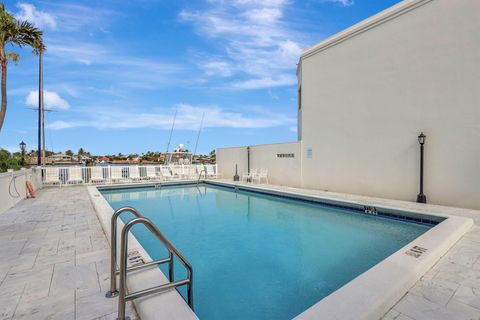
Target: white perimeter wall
x=8 y=195
x=365 y=100
x=281 y=171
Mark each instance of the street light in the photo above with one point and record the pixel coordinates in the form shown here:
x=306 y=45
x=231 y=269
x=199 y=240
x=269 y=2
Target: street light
x=421 y=198
x=23 y=146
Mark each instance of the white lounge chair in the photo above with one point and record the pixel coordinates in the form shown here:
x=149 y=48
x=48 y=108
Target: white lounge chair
x=177 y=172
x=261 y=175
x=116 y=174
x=210 y=172
x=52 y=176
x=74 y=175
x=190 y=172
x=152 y=173
x=248 y=177
x=96 y=175
x=166 y=173
x=134 y=173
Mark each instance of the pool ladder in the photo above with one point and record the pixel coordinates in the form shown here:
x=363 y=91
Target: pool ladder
x=123 y=297
x=200 y=175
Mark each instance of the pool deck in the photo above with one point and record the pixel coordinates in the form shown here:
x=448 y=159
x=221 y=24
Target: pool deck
x=54 y=259
x=54 y=262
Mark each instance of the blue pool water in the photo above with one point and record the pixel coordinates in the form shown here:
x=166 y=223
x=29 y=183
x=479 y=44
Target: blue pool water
x=256 y=256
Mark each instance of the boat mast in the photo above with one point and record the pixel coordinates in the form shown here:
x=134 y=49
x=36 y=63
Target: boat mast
x=198 y=137
x=170 y=139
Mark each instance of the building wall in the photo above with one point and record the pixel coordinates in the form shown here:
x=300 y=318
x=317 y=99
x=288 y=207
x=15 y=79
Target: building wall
x=366 y=99
x=13 y=186
x=281 y=170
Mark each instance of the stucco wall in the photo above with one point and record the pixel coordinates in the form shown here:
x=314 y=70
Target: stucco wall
x=366 y=99
x=13 y=186
x=281 y=170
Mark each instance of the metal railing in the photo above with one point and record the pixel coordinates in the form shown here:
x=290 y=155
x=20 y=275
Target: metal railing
x=63 y=175
x=200 y=175
x=172 y=251
x=113 y=252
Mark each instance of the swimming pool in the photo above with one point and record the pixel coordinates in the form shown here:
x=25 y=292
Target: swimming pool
x=258 y=256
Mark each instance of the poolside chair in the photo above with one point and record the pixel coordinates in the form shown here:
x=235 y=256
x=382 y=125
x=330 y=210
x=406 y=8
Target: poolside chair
x=261 y=175
x=116 y=174
x=152 y=173
x=74 y=175
x=96 y=175
x=191 y=172
x=177 y=172
x=210 y=171
x=166 y=173
x=52 y=176
x=134 y=173
x=248 y=177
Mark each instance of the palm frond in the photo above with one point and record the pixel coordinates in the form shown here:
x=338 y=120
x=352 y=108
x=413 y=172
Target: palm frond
x=15 y=57
x=26 y=34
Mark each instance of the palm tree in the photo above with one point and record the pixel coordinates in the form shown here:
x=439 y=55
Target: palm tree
x=19 y=33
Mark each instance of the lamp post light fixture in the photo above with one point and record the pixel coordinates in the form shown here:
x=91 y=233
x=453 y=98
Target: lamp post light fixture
x=421 y=198
x=23 y=146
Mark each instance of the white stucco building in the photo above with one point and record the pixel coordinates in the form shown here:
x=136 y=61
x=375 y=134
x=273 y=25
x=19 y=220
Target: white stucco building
x=367 y=92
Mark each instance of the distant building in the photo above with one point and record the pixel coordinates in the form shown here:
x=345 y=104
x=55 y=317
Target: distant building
x=103 y=159
x=60 y=157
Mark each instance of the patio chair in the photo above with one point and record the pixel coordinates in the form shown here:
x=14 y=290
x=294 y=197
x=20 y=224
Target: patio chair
x=210 y=171
x=96 y=175
x=166 y=173
x=134 y=173
x=177 y=172
x=74 y=175
x=261 y=175
x=116 y=174
x=191 y=172
x=152 y=173
x=52 y=176
x=248 y=177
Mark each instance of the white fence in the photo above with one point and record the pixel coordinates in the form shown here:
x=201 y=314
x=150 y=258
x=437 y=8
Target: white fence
x=13 y=186
x=123 y=174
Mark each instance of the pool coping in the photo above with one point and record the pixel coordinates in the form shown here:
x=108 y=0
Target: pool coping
x=371 y=294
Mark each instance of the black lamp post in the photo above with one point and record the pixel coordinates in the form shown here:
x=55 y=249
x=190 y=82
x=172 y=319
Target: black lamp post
x=23 y=146
x=421 y=198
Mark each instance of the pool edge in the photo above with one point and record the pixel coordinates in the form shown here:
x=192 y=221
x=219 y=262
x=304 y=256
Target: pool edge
x=372 y=293
x=171 y=303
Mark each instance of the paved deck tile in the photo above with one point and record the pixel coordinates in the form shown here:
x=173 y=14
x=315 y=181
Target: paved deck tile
x=54 y=259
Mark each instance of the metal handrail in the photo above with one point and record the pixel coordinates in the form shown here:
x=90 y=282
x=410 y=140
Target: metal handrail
x=200 y=175
x=123 y=296
x=113 y=252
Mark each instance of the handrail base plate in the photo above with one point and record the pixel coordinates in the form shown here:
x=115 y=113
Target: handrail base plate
x=111 y=294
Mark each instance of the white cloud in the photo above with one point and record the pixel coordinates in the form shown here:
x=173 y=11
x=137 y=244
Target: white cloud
x=217 y=68
x=256 y=40
x=267 y=82
x=344 y=3
x=39 y=18
x=188 y=118
x=52 y=100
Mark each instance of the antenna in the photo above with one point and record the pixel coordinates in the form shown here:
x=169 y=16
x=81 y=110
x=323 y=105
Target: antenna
x=171 y=132
x=198 y=136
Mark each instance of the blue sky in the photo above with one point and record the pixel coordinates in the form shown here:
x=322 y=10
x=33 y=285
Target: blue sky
x=116 y=71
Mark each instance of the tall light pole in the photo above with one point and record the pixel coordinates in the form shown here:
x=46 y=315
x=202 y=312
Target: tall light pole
x=41 y=131
x=421 y=198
